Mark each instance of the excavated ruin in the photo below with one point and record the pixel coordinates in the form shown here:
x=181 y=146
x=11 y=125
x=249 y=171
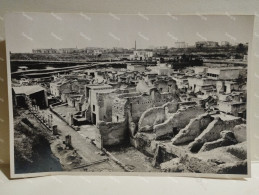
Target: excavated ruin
x=187 y=138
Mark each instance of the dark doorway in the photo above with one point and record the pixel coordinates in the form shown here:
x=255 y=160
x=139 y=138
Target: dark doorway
x=39 y=99
x=225 y=88
x=20 y=101
x=94 y=119
x=175 y=131
x=87 y=92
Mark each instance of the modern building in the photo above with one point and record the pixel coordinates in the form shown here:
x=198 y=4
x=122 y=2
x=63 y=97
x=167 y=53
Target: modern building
x=224 y=73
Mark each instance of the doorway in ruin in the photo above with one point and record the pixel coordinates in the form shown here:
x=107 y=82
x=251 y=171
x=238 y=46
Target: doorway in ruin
x=20 y=101
x=94 y=119
x=225 y=88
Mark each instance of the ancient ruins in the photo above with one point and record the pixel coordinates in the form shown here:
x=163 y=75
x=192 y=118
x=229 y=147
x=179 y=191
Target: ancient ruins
x=185 y=118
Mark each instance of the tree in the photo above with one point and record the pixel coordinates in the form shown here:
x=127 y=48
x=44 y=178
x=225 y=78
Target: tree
x=241 y=48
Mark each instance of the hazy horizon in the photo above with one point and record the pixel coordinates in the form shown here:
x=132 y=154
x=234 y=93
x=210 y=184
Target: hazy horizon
x=27 y=31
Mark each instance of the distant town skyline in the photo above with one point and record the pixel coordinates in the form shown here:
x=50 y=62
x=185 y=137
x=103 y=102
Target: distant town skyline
x=49 y=30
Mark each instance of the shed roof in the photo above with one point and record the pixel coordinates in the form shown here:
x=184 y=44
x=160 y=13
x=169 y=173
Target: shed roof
x=28 y=90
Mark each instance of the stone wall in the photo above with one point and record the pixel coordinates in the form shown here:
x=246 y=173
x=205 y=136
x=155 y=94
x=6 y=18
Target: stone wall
x=145 y=142
x=240 y=132
x=119 y=111
x=177 y=121
x=105 y=101
x=193 y=129
x=144 y=102
x=150 y=118
x=166 y=152
x=156 y=115
x=171 y=107
x=212 y=132
x=137 y=104
x=113 y=133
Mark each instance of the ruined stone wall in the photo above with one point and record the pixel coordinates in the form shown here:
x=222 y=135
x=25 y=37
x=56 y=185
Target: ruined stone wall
x=240 y=132
x=105 y=101
x=64 y=97
x=236 y=108
x=88 y=114
x=151 y=117
x=156 y=115
x=178 y=120
x=71 y=102
x=113 y=133
x=193 y=129
x=78 y=105
x=145 y=142
x=138 y=104
x=75 y=86
x=119 y=111
x=224 y=106
x=166 y=86
x=172 y=107
x=142 y=103
x=65 y=88
x=212 y=132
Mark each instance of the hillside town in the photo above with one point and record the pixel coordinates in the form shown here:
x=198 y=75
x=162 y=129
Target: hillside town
x=180 y=109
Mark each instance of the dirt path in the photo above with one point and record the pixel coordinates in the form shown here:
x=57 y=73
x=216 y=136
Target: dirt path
x=89 y=153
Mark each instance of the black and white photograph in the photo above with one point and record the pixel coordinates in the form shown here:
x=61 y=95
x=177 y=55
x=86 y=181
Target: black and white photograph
x=128 y=94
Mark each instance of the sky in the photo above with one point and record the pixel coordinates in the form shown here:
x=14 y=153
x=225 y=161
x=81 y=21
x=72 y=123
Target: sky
x=27 y=31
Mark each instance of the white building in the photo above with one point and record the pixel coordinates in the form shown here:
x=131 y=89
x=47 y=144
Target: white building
x=224 y=73
x=141 y=55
